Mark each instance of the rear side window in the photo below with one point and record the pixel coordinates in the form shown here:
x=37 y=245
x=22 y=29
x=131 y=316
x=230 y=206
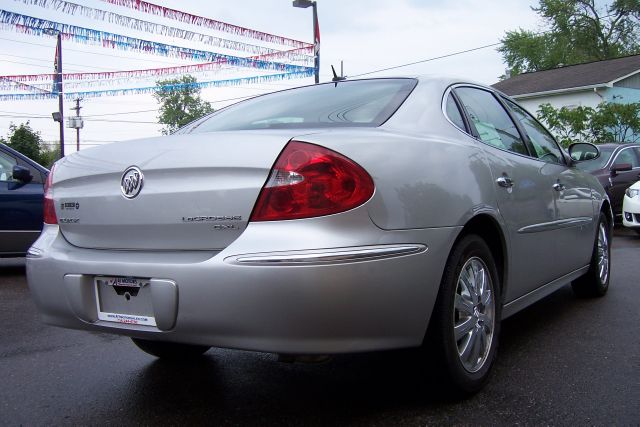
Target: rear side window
x=454 y=113
x=356 y=103
x=491 y=121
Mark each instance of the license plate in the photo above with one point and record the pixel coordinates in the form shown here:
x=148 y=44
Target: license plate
x=124 y=300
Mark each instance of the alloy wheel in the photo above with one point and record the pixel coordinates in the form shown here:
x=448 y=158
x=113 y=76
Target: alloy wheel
x=603 y=253
x=474 y=314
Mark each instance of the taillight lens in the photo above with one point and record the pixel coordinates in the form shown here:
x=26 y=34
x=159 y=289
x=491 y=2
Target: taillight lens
x=49 y=207
x=307 y=181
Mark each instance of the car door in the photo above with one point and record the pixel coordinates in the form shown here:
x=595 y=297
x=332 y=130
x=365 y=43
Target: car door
x=573 y=226
x=523 y=188
x=20 y=207
x=620 y=181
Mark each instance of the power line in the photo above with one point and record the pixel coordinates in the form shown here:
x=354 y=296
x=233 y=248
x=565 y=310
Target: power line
x=46 y=66
x=94 y=53
x=121 y=113
x=428 y=59
x=453 y=53
x=47 y=61
x=120 y=121
x=8 y=116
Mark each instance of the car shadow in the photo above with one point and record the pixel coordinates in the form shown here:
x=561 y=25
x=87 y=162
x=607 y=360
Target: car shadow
x=12 y=266
x=242 y=387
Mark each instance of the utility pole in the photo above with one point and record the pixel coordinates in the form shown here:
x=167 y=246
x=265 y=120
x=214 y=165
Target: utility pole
x=58 y=116
x=76 y=122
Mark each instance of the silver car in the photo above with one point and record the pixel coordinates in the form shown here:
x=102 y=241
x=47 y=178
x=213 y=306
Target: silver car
x=341 y=217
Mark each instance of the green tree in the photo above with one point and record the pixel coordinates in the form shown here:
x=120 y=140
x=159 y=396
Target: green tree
x=617 y=122
x=568 y=125
x=180 y=102
x=576 y=31
x=608 y=122
x=25 y=140
x=49 y=154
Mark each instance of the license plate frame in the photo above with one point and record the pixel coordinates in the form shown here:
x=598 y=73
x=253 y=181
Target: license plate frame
x=124 y=300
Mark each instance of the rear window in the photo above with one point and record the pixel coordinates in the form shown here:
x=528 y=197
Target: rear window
x=355 y=103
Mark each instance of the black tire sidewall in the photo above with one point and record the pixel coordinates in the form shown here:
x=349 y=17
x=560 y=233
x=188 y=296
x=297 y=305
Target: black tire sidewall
x=462 y=380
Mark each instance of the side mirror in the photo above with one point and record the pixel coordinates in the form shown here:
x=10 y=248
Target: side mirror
x=583 y=151
x=620 y=167
x=22 y=174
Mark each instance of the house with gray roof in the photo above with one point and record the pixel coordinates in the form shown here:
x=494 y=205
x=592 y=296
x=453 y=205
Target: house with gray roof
x=613 y=80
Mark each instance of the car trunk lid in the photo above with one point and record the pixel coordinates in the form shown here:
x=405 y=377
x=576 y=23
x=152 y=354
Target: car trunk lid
x=197 y=191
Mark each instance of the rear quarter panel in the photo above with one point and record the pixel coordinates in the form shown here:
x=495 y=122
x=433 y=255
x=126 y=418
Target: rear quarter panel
x=427 y=172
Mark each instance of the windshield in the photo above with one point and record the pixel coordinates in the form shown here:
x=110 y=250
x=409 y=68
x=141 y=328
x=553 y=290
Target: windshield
x=592 y=165
x=345 y=104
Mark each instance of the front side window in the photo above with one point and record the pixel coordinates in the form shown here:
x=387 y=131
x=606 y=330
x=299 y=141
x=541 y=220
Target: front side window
x=546 y=148
x=356 y=103
x=6 y=167
x=491 y=121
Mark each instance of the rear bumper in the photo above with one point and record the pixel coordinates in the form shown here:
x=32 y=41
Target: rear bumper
x=347 y=298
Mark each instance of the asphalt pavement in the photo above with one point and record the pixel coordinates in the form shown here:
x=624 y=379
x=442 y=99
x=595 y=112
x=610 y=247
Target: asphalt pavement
x=562 y=361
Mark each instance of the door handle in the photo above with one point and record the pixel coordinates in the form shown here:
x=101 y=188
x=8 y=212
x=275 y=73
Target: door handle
x=558 y=186
x=505 y=181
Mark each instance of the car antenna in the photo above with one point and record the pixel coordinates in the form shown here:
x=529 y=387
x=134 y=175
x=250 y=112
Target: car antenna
x=335 y=78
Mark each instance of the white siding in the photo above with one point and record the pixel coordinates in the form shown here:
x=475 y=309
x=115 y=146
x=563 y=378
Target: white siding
x=632 y=82
x=586 y=98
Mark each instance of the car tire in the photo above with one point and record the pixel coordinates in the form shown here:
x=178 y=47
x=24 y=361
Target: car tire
x=465 y=324
x=170 y=350
x=595 y=282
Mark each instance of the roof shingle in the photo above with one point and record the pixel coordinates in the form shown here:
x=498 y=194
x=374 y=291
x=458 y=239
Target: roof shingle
x=579 y=75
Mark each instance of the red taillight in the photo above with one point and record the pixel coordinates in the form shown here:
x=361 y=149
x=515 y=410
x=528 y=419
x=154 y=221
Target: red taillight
x=307 y=181
x=49 y=207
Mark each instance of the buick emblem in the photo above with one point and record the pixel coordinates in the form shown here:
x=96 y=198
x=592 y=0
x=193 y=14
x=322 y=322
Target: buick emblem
x=131 y=182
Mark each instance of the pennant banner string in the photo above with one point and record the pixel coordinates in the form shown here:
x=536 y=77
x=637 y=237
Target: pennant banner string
x=152 y=89
x=132 y=74
x=201 y=21
x=12 y=84
x=149 y=27
x=31 y=25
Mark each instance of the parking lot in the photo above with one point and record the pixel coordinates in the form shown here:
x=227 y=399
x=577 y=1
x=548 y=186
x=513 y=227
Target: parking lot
x=562 y=361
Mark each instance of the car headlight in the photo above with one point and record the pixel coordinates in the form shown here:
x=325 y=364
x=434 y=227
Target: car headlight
x=632 y=192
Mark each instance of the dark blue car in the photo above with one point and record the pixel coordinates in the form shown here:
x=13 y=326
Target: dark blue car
x=21 y=198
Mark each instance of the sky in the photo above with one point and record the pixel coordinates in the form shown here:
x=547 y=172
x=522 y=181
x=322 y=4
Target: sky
x=368 y=35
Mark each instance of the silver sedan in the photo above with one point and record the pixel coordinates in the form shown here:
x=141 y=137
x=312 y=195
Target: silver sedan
x=341 y=217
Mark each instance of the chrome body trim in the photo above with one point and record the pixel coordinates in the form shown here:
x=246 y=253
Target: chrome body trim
x=554 y=225
x=363 y=253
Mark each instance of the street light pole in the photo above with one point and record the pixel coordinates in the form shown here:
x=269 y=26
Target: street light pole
x=60 y=100
x=316 y=34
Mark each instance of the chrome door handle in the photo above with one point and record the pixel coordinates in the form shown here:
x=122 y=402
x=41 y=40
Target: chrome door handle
x=505 y=181
x=558 y=186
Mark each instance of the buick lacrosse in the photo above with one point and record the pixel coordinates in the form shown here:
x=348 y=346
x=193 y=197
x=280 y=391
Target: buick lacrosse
x=341 y=217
